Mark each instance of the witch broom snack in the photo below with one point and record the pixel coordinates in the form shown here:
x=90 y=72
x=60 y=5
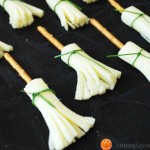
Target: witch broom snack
x=130 y=52
x=20 y=13
x=134 y=18
x=69 y=13
x=93 y=77
x=64 y=125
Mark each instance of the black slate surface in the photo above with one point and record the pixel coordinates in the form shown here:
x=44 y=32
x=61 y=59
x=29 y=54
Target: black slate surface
x=121 y=115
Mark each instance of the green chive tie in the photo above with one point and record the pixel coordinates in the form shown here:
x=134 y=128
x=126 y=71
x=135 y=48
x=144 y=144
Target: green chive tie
x=71 y=53
x=35 y=94
x=137 y=56
x=77 y=51
x=139 y=16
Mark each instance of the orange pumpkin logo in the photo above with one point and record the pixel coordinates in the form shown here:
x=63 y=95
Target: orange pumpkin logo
x=106 y=144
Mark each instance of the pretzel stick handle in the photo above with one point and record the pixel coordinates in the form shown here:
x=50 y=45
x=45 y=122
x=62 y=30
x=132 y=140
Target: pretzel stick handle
x=17 y=67
x=116 y=5
x=106 y=33
x=50 y=38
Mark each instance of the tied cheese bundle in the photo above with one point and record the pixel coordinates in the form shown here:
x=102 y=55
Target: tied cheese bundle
x=134 y=18
x=4 y=48
x=94 y=77
x=64 y=125
x=137 y=57
x=20 y=13
x=139 y=21
x=68 y=13
x=89 y=1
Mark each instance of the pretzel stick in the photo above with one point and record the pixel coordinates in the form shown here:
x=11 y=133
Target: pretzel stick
x=116 y=5
x=50 y=37
x=94 y=22
x=17 y=67
x=106 y=33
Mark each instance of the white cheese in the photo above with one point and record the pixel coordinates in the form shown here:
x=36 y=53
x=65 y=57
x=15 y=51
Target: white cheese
x=142 y=63
x=141 y=24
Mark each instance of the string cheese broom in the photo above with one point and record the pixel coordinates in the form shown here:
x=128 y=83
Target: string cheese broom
x=130 y=52
x=134 y=18
x=69 y=13
x=94 y=77
x=20 y=13
x=64 y=125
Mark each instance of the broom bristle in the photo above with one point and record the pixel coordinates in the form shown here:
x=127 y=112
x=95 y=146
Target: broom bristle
x=4 y=48
x=20 y=13
x=68 y=13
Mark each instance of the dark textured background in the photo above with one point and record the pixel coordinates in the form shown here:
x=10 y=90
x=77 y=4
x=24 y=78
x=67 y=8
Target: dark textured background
x=121 y=115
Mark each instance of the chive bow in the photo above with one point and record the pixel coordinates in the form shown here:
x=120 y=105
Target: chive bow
x=77 y=51
x=35 y=94
x=71 y=53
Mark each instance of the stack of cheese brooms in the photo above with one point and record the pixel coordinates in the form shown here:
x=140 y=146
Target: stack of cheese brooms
x=65 y=126
x=94 y=77
x=21 y=14
x=130 y=52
